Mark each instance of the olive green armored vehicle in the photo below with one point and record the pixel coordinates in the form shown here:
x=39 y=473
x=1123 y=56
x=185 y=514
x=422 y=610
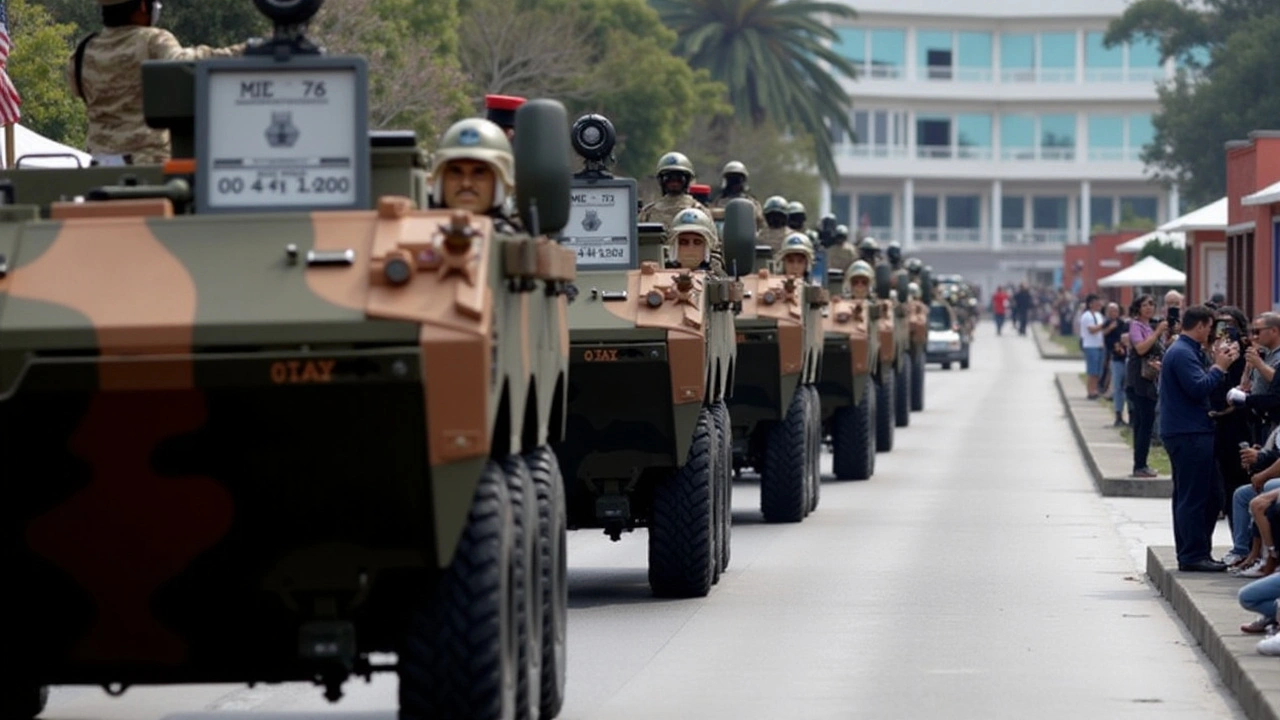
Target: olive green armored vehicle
x=921 y=278
x=652 y=358
x=256 y=434
x=893 y=367
x=776 y=411
x=847 y=386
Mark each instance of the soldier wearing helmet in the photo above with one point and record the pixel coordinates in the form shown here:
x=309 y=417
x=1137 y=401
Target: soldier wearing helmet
x=894 y=254
x=675 y=175
x=775 y=218
x=796 y=215
x=691 y=239
x=859 y=279
x=473 y=169
x=842 y=252
x=795 y=257
x=733 y=184
x=869 y=250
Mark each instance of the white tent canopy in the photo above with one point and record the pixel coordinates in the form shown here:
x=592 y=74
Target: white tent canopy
x=1176 y=239
x=1147 y=272
x=1210 y=217
x=29 y=142
x=1267 y=196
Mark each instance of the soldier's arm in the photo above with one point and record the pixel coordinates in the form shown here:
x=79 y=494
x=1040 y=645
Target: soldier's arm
x=164 y=46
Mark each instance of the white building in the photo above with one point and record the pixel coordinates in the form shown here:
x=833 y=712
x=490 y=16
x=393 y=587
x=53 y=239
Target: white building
x=992 y=132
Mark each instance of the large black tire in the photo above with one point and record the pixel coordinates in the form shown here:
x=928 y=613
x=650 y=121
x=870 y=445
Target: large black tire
x=884 y=410
x=853 y=434
x=528 y=574
x=784 y=484
x=917 y=382
x=459 y=656
x=681 y=533
x=815 y=446
x=22 y=702
x=902 y=395
x=721 y=414
x=717 y=496
x=553 y=525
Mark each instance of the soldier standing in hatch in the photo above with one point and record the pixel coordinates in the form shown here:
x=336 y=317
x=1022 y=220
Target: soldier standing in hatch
x=795 y=259
x=775 y=219
x=474 y=169
x=106 y=72
x=842 y=253
x=675 y=175
x=733 y=184
x=690 y=240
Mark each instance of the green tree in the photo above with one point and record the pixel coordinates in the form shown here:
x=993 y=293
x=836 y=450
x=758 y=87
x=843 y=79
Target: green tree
x=774 y=58
x=194 y=22
x=1174 y=257
x=37 y=66
x=1208 y=103
x=779 y=164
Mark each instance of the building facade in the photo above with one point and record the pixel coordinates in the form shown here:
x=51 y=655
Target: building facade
x=991 y=133
x=1253 y=222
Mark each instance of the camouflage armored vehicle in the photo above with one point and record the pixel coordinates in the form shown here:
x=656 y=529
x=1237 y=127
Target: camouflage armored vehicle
x=652 y=360
x=919 y=277
x=260 y=436
x=894 y=348
x=776 y=411
x=847 y=386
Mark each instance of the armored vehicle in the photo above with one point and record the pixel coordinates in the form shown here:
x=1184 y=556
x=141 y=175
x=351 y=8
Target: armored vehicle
x=776 y=411
x=847 y=385
x=652 y=360
x=921 y=278
x=256 y=434
x=893 y=363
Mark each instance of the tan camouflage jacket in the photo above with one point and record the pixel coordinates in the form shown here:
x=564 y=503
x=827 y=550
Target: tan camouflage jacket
x=840 y=257
x=112 y=84
x=773 y=237
x=723 y=201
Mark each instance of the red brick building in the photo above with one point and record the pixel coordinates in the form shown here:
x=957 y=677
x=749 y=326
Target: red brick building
x=1253 y=222
x=1097 y=260
x=1206 y=250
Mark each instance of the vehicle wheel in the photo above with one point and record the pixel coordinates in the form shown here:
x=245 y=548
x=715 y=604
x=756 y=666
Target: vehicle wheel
x=785 y=480
x=721 y=413
x=528 y=590
x=553 y=523
x=902 y=395
x=815 y=446
x=917 y=383
x=681 y=535
x=853 y=432
x=22 y=702
x=717 y=496
x=459 y=656
x=884 y=411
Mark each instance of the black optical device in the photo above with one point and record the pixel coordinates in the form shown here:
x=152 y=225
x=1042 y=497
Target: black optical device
x=1174 y=315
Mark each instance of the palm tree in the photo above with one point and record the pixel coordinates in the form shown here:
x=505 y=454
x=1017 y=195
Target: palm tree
x=770 y=54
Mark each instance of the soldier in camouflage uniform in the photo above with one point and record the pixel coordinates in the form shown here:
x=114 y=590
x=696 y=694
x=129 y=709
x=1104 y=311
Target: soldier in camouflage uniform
x=675 y=175
x=869 y=251
x=109 y=80
x=796 y=216
x=894 y=254
x=842 y=252
x=775 y=218
x=691 y=239
x=474 y=169
x=733 y=185
x=858 y=281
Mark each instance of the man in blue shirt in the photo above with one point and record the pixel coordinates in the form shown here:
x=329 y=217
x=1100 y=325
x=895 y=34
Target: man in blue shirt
x=1187 y=432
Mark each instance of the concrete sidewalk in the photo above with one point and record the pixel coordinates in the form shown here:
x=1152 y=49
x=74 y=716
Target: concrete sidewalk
x=1207 y=605
x=1050 y=350
x=1109 y=457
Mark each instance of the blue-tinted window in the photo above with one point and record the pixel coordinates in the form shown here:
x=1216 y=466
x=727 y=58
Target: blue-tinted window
x=876 y=210
x=1098 y=57
x=1143 y=207
x=1101 y=210
x=926 y=211
x=1141 y=132
x=888 y=52
x=1058 y=50
x=1106 y=131
x=964 y=211
x=1013 y=212
x=1017 y=131
x=840 y=208
x=1017 y=51
x=974 y=50
x=852 y=44
x=1058 y=132
x=1049 y=213
x=1144 y=53
x=973 y=130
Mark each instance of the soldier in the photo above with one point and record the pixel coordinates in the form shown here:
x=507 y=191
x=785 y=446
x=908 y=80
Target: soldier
x=775 y=218
x=796 y=216
x=795 y=258
x=859 y=280
x=474 y=170
x=733 y=184
x=842 y=252
x=106 y=72
x=894 y=254
x=501 y=111
x=691 y=239
x=675 y=174
x=869 y=251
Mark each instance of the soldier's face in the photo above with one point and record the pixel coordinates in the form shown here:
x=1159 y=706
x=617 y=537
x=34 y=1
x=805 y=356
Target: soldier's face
x=776 y=220
x=691 y=250
x=673 y=183
x=861 y=287
x=468 y=185
x=795 y=264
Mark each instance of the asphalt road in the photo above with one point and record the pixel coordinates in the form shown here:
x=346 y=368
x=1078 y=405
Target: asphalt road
x=977 y=575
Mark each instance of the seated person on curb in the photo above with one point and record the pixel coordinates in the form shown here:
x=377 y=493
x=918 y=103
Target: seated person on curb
x=1260 y=596
x=473 y=169
x=1266 y=519
x=691 y=239
x=1246 y=556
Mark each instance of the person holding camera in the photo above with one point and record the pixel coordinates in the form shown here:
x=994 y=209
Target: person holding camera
x=1260 y=391
x=1188 y=434
x=1231 y=424
x=1142 y=372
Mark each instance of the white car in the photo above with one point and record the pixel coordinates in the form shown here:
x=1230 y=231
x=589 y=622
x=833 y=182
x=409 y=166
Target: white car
x=945 y=343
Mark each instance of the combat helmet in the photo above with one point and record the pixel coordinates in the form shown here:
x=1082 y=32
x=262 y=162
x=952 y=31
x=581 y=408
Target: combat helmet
x=894 y=252
x=734 y=167
x=842 y=233
x=795 y=215
x=869 y=249
x=475 y=139
x=796 y=243
x=693 y=220
x=775 y=204
x=675 y=163
x=913 y=265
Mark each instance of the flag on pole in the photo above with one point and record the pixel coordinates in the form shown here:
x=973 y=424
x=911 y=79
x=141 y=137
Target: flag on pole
x=9 y=98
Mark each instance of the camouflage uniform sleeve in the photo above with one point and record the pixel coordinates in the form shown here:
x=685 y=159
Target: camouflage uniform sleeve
x=644 y=213
x=164 y=46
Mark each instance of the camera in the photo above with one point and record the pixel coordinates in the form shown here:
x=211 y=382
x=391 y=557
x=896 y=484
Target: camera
x=288 y=12
x=593 y=137
x=1174 y=315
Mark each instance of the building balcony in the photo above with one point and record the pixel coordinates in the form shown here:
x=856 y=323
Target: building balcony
x=980 y=86
x=1009 y=163
x=1035 y=238
x=971 y=238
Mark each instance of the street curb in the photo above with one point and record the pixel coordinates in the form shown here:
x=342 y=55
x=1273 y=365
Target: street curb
x=1207 y=604
x=1109 y=468
x=1043 y=342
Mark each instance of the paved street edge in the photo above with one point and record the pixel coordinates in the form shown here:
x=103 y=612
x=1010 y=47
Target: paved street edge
x=1206 y=603
x=1082 y=414
x=1049 y=350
